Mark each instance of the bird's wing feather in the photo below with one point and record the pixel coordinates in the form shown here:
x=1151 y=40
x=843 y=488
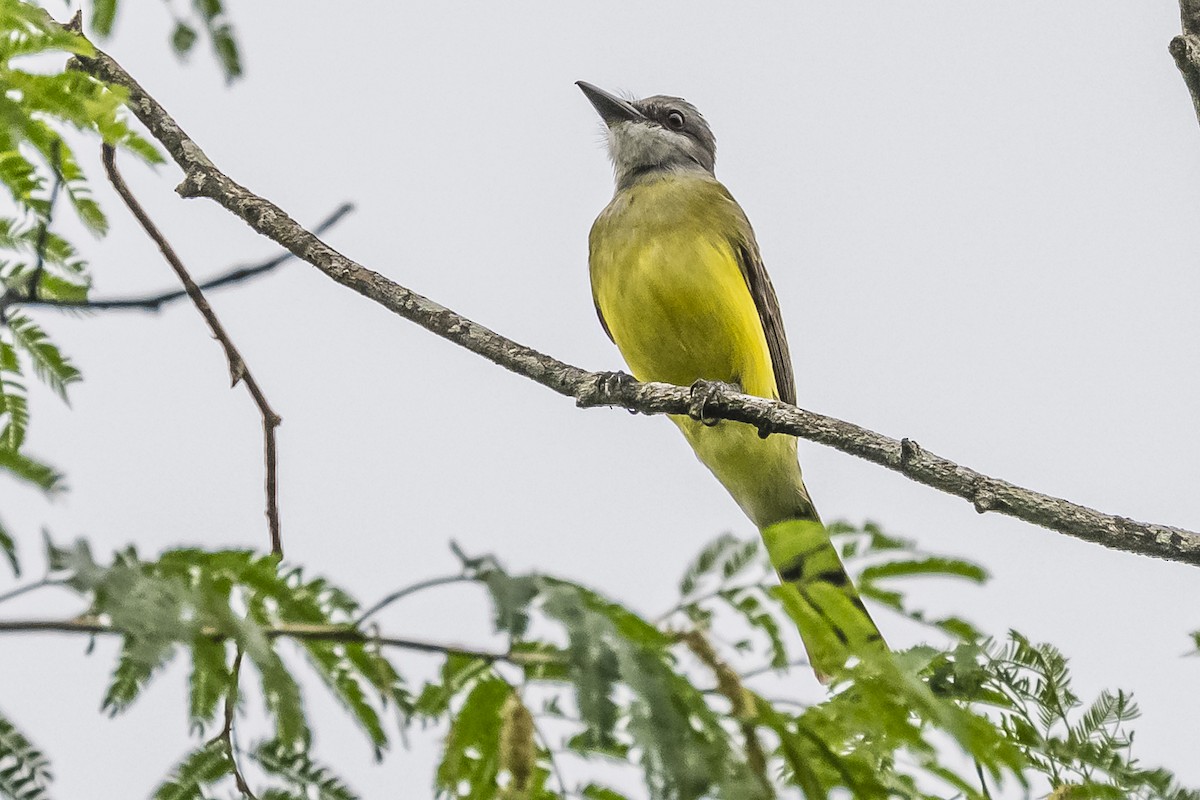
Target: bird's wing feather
x=759 y=283
x=603 y=322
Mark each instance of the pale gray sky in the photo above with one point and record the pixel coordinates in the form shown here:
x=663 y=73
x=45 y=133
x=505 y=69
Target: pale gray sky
x=980 y=220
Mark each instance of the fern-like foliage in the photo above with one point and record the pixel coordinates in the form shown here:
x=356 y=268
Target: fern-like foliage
x=203 y=767
x=587 y=685
x=37 y=165
x=210 y=604
x=300 y=772
x=24 y=771
x=1086 y=751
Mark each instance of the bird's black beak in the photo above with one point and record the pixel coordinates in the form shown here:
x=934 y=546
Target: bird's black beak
x=611 y=108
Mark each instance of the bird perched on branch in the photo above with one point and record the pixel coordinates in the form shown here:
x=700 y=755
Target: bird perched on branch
x=680 y=287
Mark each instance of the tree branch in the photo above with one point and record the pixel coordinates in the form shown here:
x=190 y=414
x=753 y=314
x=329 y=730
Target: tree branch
x=203 y=179
x=323 y=633
x=1185 y=49
x=237 y=365
x=155 y=302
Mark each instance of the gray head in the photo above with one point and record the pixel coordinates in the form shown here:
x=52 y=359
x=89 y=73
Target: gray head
x=653 y=134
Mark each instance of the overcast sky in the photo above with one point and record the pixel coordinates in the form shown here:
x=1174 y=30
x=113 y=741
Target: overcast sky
x=980 y=219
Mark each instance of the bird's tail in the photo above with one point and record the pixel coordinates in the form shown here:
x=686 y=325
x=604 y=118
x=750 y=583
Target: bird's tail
x=819 y=596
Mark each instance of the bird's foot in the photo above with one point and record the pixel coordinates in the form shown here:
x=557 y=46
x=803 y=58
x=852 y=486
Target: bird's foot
x=703 y=393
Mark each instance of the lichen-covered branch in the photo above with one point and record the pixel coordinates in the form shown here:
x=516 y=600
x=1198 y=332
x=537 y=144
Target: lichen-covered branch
x=1185 y=49
x=203 y=179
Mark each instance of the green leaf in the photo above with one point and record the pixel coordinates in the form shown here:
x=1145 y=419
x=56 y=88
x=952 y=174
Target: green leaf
x=183 y=38
x=308 y=778
x=25 y=468
x=104 y=12
x=24 y=771
x=931 y=566
x=594 y=791
x=706 y=561
x=472 y=751
x=209 y=9
x=14 y=406
x=208 y=682
x=280 y=691
x=138 y=662
x=459 y=673
x=9 y=548
x=55 y=370
x=227 y=52
x=347 y=685
x=755 y=612
x=206 y=765
x=511 y=597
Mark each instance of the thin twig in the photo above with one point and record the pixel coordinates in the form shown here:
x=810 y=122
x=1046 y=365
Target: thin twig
x=203 y=179
x=554 y=768
x=226 y=734
x=754 y=673
x=237 y=366
x=44 y=230
x=400 y=594
x=983 y=787
x=156 y=302
x=29 y=587
x=300 y=631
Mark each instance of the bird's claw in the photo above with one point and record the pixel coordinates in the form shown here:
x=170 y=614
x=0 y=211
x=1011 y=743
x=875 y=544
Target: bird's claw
x=703 y=393
x=603 y=390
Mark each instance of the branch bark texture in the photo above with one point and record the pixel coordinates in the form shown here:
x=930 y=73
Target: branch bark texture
x=203 y=179
x=1185 y=49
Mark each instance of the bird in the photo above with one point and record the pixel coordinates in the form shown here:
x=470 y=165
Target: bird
x=680 y=287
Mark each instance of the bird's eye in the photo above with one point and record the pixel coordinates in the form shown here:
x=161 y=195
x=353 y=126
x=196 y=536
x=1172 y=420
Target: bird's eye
x=675 y=121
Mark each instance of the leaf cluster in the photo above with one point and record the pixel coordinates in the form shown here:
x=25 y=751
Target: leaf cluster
x=207 y=16
x=589 y=693
x=37 y=166
x=216 y=606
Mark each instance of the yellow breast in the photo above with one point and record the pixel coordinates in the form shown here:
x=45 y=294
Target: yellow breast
x=666 y=279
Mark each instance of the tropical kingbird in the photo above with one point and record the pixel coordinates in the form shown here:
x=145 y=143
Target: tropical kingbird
x=680 y=288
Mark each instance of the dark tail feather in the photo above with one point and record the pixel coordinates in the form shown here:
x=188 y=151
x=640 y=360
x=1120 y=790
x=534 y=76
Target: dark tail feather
x=819 y=596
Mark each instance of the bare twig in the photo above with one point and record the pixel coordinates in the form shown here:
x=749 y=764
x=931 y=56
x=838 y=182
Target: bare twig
x=29 y=587
x=305 y=632
x=400 y=594
x=550 y=752
x=156 y=302
x=226 y=734
x=237 y=366
x=754 y=673
x=203 y=179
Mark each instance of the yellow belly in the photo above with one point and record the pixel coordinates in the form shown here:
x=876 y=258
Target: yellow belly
x=666 y=281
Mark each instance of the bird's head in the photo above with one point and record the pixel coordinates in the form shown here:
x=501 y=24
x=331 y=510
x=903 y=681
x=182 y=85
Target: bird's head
x=652 y=134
